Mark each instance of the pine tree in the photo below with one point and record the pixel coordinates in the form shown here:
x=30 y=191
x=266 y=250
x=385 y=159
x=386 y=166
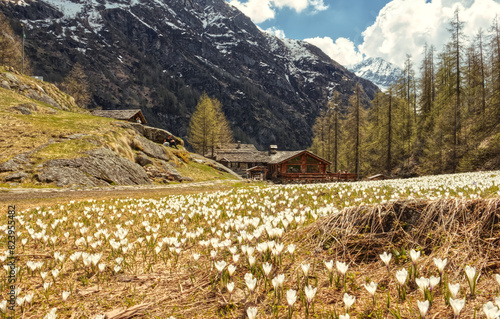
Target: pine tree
x=77 y=85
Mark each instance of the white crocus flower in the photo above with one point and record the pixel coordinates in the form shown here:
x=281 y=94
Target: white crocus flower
x=65 y=295
x=250 y=282
x=251 y=260
x=342 y=267
x=491 y=311
x=348 y=300
x=291 y=248
x=51 y=314
x=252 y=312
x=236 y=257
x=440 y=264
x=346 y=316
x=414 y=255
x=231 y=269
x=291 y=297
x=371 y=287
x=267 y=268
x=230 y=287
x=305 y=268
x=401 y=276
x=329 y=265
x=497 y=278
x=220 y=265
x=310 y=293
x=454 y=289
x=3 y=306
x=423 y=307
x=433 y=282
x=196 y=256
x=457 y=306
x=422 y=283
x=386 y=258
x=471 y=275
x=497 y=301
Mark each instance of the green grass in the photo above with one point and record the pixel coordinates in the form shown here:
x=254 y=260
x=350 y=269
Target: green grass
x=200 y=172
x=65 y=149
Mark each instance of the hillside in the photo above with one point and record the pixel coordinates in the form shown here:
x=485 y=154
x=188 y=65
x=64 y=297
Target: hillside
x=46 y=140
x=160 y=56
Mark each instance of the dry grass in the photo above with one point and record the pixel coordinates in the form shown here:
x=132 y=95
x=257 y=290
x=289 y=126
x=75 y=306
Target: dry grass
x=467 y=232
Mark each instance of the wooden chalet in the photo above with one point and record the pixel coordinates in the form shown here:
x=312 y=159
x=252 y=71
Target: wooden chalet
x=279 y=166
x=133 y=115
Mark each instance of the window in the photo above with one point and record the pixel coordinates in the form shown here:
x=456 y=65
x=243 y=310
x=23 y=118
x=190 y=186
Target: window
x=312 y=160
x=295 y=160
x=313 y=168
x=293 y=169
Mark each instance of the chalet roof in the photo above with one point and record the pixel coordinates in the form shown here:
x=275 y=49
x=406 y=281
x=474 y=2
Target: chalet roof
x=282 y=156
x=241 y=156
x=120 y=114
x=234 y=146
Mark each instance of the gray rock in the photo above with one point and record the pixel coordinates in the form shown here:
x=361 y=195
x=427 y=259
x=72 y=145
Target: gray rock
x=102 y=167
x=65 y=176
x=151 y=133
x=19 y=176
x=152 y=149
x=24 y=87
x=42 y=98
x=11 y=78
x=11 y=165
x=142 y=159
x=171 y=171
x=4 y=84
x=187 y=179
x=26 y=108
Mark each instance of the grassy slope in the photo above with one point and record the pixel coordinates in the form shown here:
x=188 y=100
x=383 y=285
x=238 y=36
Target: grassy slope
x=21 y=133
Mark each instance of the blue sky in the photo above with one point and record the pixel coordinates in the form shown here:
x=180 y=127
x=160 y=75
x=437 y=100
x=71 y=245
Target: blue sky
x=351 y=30
x=342 y=18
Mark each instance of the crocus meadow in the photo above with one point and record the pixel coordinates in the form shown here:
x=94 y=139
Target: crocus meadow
x=235 y=253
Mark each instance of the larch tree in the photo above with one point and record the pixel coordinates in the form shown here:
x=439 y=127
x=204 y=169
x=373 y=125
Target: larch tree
x=77 y=85
x=11 y=51
x=208 y=127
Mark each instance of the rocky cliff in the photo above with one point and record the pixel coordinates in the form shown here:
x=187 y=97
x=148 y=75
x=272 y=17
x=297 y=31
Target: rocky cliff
x=160 y=55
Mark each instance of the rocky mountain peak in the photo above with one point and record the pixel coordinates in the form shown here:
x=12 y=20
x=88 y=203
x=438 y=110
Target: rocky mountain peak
x=377 y=70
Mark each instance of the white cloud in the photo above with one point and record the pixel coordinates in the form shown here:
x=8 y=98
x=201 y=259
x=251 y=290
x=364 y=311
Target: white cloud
x=342 y=50
x=276 y=32
x=263 y=10
x=403 y=26
x=258 y=10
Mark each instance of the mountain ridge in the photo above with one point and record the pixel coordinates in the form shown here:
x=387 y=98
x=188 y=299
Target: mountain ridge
x=161 y=55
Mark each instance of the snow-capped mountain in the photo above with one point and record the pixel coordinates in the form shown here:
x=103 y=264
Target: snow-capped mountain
x=378 y=71
x=160 y=55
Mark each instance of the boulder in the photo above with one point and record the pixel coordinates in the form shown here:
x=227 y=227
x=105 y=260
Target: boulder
x=142 y=159
x=152 y=149
x=11 y=165
x=42 y=98
x=102 y=167
x=171 y=171
x=19 y=176
x=26 y=108
x=4 y=84
x=151 y=133
x=11 y=79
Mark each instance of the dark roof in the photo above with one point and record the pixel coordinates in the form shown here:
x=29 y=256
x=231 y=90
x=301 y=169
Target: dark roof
x=120 y=114
x=249 y=154
x=283 y=156
x=234 y=146
x=241 y=156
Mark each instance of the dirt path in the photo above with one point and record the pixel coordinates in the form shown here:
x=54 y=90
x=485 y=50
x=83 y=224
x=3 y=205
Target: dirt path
x=24 y=198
